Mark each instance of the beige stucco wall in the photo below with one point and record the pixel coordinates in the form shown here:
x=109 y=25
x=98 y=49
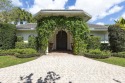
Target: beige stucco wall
x=25 y=34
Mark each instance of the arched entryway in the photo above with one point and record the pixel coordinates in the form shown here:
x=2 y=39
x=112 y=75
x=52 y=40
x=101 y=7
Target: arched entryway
x=61 y=40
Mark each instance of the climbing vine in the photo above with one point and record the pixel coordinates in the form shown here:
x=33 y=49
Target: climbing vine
x=75 y=25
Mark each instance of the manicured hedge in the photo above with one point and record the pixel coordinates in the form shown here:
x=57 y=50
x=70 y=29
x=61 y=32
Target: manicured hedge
x=98 y=54
x=116 y=38
x=18 y=51
x=21 y=45
x=7 y=36
x=119 y=54
x=19 y=39
x=28 y=55
x=105 y=46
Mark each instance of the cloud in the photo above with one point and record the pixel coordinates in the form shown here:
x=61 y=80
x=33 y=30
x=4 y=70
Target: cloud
x=114 y=19
x=47 y=4
x=100 y=23
x=98 y=8
x=123 y=15
x=17 y=3
x=113 y=10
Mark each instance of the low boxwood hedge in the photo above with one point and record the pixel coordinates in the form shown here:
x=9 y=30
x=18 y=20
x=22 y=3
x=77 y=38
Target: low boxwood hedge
x=21 y=53
x=27 y=55
x=98 y=54
x=119 y=54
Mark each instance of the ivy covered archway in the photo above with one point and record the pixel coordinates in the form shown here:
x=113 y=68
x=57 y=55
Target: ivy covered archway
x=75 y=25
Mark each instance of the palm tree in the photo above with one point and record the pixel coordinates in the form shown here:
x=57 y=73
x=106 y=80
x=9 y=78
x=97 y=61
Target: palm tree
x=20 y=15
x=121 y=22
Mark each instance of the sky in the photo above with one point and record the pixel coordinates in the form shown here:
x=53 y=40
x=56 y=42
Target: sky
x=102 y=11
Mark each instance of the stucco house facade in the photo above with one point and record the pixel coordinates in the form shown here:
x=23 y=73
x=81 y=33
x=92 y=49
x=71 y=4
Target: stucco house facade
x=62 y=36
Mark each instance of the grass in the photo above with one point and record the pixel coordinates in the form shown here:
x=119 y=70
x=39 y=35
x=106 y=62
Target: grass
x=114 y=60
x=6 y=61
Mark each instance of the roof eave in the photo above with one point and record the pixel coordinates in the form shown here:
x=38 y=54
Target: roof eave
x=68 y=13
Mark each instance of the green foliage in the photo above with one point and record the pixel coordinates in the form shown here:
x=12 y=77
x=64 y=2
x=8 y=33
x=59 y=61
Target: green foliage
x=7 y=36
x=105 y=46
x=6 y=61
x=21 y=45
x=17 y=51
x=19 y=39
x=32 y=42
x=119 y=54
x=121 y=23
x=76 y=26
x=19 y=15
x=27 y=55
x=93 y=42
x=20 y=53
x=97 y=53
x=114 y=60
x=5 y=7
x=116 y=38
x=79 y=47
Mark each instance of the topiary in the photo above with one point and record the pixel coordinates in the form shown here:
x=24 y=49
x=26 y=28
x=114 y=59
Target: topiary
x=116 y=38
x=7 y=36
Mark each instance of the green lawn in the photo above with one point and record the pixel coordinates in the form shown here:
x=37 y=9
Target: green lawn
x=6 y=61
x=114 y=60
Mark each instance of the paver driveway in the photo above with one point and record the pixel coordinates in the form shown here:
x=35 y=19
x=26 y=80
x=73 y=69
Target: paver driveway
x=74 y=69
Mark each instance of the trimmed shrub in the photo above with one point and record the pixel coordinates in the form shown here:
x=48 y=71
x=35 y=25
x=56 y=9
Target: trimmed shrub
x=119 y=54
x=98 y=54
x=21 y=45
x=19 y=39
x=93 y=42
x=27 y=55
x=105 y=46
x=17 y=51
x=7 y=36
x=5 y=52
x=116 y=38
x=32 y=42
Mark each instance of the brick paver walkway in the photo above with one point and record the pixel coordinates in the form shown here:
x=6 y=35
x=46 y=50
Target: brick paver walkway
x=74 y=69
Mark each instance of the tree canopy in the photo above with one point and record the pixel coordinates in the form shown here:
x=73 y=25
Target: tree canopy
x=19 y=15
x=5 y=7
x=9 y=13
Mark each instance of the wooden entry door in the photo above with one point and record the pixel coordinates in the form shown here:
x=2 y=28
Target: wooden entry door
x=61 y=40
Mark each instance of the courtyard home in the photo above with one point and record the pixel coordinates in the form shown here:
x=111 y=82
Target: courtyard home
x=66 y=49
x=61 y=38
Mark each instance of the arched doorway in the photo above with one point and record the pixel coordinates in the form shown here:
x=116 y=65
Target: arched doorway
x=61 y=40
